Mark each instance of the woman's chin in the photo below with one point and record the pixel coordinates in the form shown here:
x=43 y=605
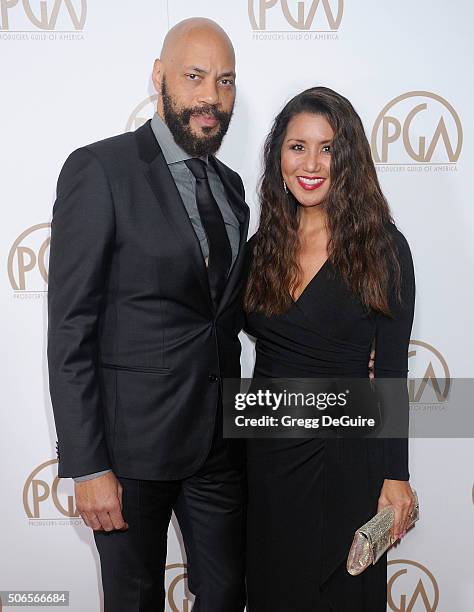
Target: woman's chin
x=308 y=199
x=306 y=202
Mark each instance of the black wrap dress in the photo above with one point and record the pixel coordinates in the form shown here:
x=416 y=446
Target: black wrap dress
x=308 y=496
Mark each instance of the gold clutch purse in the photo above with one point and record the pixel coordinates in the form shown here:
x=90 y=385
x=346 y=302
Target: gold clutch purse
x=373 y=539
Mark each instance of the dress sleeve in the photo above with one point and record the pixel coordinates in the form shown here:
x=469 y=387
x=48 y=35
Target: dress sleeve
x=392 y=337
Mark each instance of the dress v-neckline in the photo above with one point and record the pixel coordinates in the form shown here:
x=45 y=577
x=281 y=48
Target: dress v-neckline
x=312 y=279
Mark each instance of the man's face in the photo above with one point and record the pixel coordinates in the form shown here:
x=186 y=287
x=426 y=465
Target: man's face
x=197 y=87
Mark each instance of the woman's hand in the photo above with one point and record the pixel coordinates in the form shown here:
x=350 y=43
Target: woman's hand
x=372 y=364
x=397 y=493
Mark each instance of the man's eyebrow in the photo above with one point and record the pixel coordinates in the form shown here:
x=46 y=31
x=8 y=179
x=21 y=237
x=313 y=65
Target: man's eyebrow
x=195 y=69
x=227 y=73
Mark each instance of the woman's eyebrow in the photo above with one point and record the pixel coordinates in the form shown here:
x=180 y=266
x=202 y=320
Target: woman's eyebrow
x=304 y=141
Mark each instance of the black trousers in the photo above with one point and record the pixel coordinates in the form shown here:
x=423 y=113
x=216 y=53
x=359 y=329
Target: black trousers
x=210 y=508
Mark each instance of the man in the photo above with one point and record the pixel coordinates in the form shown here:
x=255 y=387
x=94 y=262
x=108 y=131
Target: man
x=145 y=289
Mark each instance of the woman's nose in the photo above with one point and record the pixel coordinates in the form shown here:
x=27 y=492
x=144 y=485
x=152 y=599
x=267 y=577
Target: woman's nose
x=312 y=163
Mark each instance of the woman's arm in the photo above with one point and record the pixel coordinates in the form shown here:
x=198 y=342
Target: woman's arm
x=391 y=362
x=391 y=358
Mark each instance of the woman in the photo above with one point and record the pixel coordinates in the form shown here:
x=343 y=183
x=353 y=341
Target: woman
x=328 y=273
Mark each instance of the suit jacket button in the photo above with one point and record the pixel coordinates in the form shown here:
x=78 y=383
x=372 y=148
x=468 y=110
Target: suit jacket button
x=213 y=377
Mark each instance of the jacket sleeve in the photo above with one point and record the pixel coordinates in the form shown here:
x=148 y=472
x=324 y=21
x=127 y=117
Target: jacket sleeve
x=82 y=239
x=391 y=365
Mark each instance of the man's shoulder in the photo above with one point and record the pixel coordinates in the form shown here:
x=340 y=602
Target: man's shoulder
x=121 y=143
x=116 y=154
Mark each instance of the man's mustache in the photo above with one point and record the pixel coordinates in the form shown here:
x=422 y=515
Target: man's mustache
x=211 y=111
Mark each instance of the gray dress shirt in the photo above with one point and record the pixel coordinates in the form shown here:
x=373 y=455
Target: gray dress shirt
x=186 y=184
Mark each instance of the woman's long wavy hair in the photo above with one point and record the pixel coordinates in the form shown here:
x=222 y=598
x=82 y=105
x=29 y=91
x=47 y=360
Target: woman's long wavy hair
x=360 y=245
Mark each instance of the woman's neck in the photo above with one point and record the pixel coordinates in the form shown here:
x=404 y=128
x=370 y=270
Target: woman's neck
x=312 y=221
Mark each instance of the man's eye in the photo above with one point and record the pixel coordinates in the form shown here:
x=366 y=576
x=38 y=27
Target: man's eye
x=227 y=82
x=192 y=76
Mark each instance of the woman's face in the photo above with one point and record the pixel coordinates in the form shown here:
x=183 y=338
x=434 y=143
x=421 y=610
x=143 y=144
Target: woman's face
x=306 y=158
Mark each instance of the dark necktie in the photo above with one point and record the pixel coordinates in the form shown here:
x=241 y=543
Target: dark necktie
x=220 y=253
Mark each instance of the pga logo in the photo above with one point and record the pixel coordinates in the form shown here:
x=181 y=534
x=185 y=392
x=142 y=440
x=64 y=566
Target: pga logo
x=66 y=15
x=308 y=15
x=417 y=127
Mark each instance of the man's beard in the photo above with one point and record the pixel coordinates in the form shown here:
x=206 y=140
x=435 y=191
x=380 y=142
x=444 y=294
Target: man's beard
x=178 y=120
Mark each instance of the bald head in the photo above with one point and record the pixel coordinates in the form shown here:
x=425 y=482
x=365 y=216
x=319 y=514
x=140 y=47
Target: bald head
x=195 y=76
x=196 y=30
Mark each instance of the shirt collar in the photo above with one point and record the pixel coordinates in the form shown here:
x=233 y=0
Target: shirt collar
x=172 y=152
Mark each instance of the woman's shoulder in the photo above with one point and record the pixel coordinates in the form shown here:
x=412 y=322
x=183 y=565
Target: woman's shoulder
x=400 y=241
x=405 y=259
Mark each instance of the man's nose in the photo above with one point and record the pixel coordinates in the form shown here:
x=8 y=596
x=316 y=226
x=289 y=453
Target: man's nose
x=208 y=92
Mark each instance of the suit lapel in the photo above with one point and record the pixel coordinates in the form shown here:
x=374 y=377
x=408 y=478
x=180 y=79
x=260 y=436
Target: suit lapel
x=241 y=211
x=162 y=183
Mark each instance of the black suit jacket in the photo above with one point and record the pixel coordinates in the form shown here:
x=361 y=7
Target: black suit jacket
x=136 y=349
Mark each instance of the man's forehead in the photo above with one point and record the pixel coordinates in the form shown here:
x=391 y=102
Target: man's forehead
x=205 y=54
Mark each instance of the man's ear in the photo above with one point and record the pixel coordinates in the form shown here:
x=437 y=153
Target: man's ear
x=157 y=74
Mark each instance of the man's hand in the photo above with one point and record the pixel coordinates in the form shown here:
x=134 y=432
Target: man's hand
x=397 y=493
x=99 y=502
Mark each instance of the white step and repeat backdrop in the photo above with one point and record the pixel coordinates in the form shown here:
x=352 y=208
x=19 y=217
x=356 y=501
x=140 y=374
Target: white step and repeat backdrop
x=76 y=71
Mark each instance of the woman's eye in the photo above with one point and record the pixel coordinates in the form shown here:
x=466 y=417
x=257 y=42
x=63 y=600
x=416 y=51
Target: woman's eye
x=327 y=148
x=297 y=147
